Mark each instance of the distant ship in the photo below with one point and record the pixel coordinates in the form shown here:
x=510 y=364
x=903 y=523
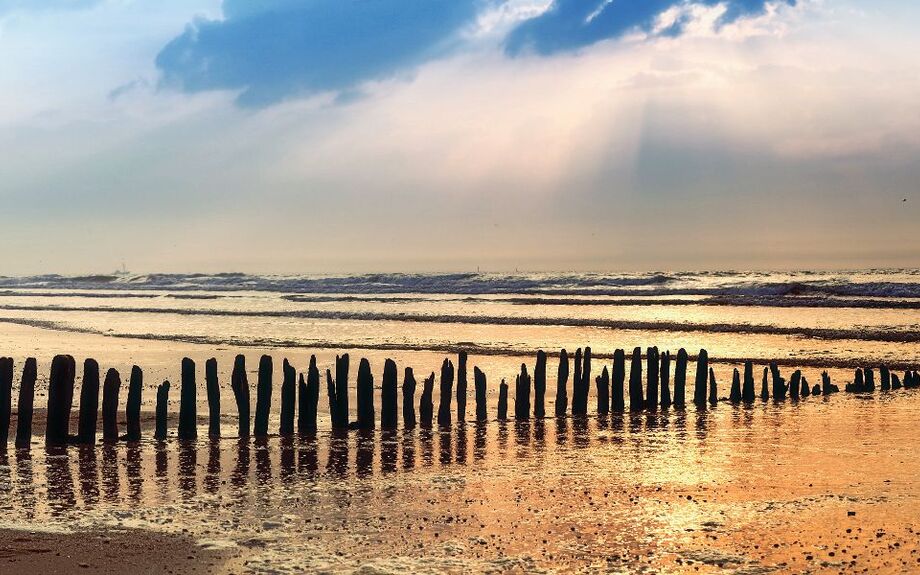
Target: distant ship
x=122 y=272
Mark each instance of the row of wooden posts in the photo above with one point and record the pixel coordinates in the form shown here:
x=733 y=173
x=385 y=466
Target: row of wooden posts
x=303 y=395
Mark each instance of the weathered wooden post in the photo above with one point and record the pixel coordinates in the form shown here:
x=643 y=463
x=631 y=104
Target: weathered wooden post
x=713 y=391
x=213 y=385
x=426 y=403
x=747 y=392
x=447 y=385
x=342 y=365
x=288 y=398
x=806 y=391
x=522 y=395
x=503 y=401
x=858 y=385
x=779 y=385
x=764 y=390
x=827 y=387
x=161 y=410
x=651 y=385
x=133 y=407
x=885 y=377
x=734 y=395
x=479 y=380
x=111 y=389
x=26 y=404
x=666 y=379
x=389 y=395
x=603 y=391
x=702 y=370
x=188 y=407
x=617 y=400
x=263 y=397
x=461 y=387
x=239 y=384
x=585 y=380
x=312 y=403
x=539 y=386
x=562 y=382
x=89 y=403
x=795 y=385
x=636 y=400
x=365 y=388
x=680 y=379
x=60 y=400
x=576 y=384
x=6 y=399
x=870 y=380
x=408 y=391
x=895 y=381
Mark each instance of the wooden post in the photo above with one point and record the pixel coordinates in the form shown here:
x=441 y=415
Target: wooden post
x=735 y=394
x=26 y=404
x=895 y=381
x=461 y=387
x=89 y=403
x=479 y=380
x=576 y=384
x=6 y=399
x=562 y=382
x=426 y=403
x=133 y=407
x=636 y=400
x=60 y=400
x=585 y=380
x=805 y=391
x=713 y=391
x=239 y=384
x=447 y=386
x=618 y=380
x=213 y=385
x=162 y=407
x=342 y=365
x=779 y=384
x=263 y=396
x=522 y=394
x=680 y=379
x=764 y=390
x=188 y=407
x=795 y=385
x=666 y=379
x=288 y=398
x=111 y=389
x=503 y=401
x=827 y=387
x=539 y=386
x=408 y=391
x=389 y=415
x=366 y=417
x=603 y=391
x=747 y=392
x=870 y=380
x=885 y=377
x=651 y=376
x=702 y=369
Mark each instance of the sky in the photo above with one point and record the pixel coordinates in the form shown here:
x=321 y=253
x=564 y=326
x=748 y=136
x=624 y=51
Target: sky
x=295 y=136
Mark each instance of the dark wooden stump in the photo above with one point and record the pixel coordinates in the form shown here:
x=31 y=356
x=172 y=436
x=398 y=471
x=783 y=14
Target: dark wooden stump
x=503 y=401
x=652 y=377
x=60 y=400
x=26 y=404
x=702 y=371
x=617 y=381
x=342 y=365
x=133 y=407
x=479 y=380
x=636 y=399
x=539 y=386
x=447 y=386
x=562 y=382
x=239 y=384
x=111 y=389
x=6 y=399
x=522 y=395
x=884 y=378
x=89 y=403
x=870 y=380
x=603 y=391
x=666 y=379
x=366 y=417
x=288 y=398
x=213 y=385
x=263 y=396
x=426 y=403
x=795 y=385
x=779 y=384
x=895 y=382
x=389 y=396
x=461 y=387
x=747 y=391
x=713 y=389
x=188 y=403
x=806 y=390
x=576 y=384
x=827 y=387
x=162 y=410
x=680 y=379
x=735 y=394
x=585 y=380
x=408 y=392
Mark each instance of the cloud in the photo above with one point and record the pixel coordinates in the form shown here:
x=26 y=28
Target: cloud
x=277 y=49
x=7 y=6
x=572 y=24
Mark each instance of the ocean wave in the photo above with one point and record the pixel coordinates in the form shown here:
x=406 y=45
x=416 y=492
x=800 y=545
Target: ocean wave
x=860 y=334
